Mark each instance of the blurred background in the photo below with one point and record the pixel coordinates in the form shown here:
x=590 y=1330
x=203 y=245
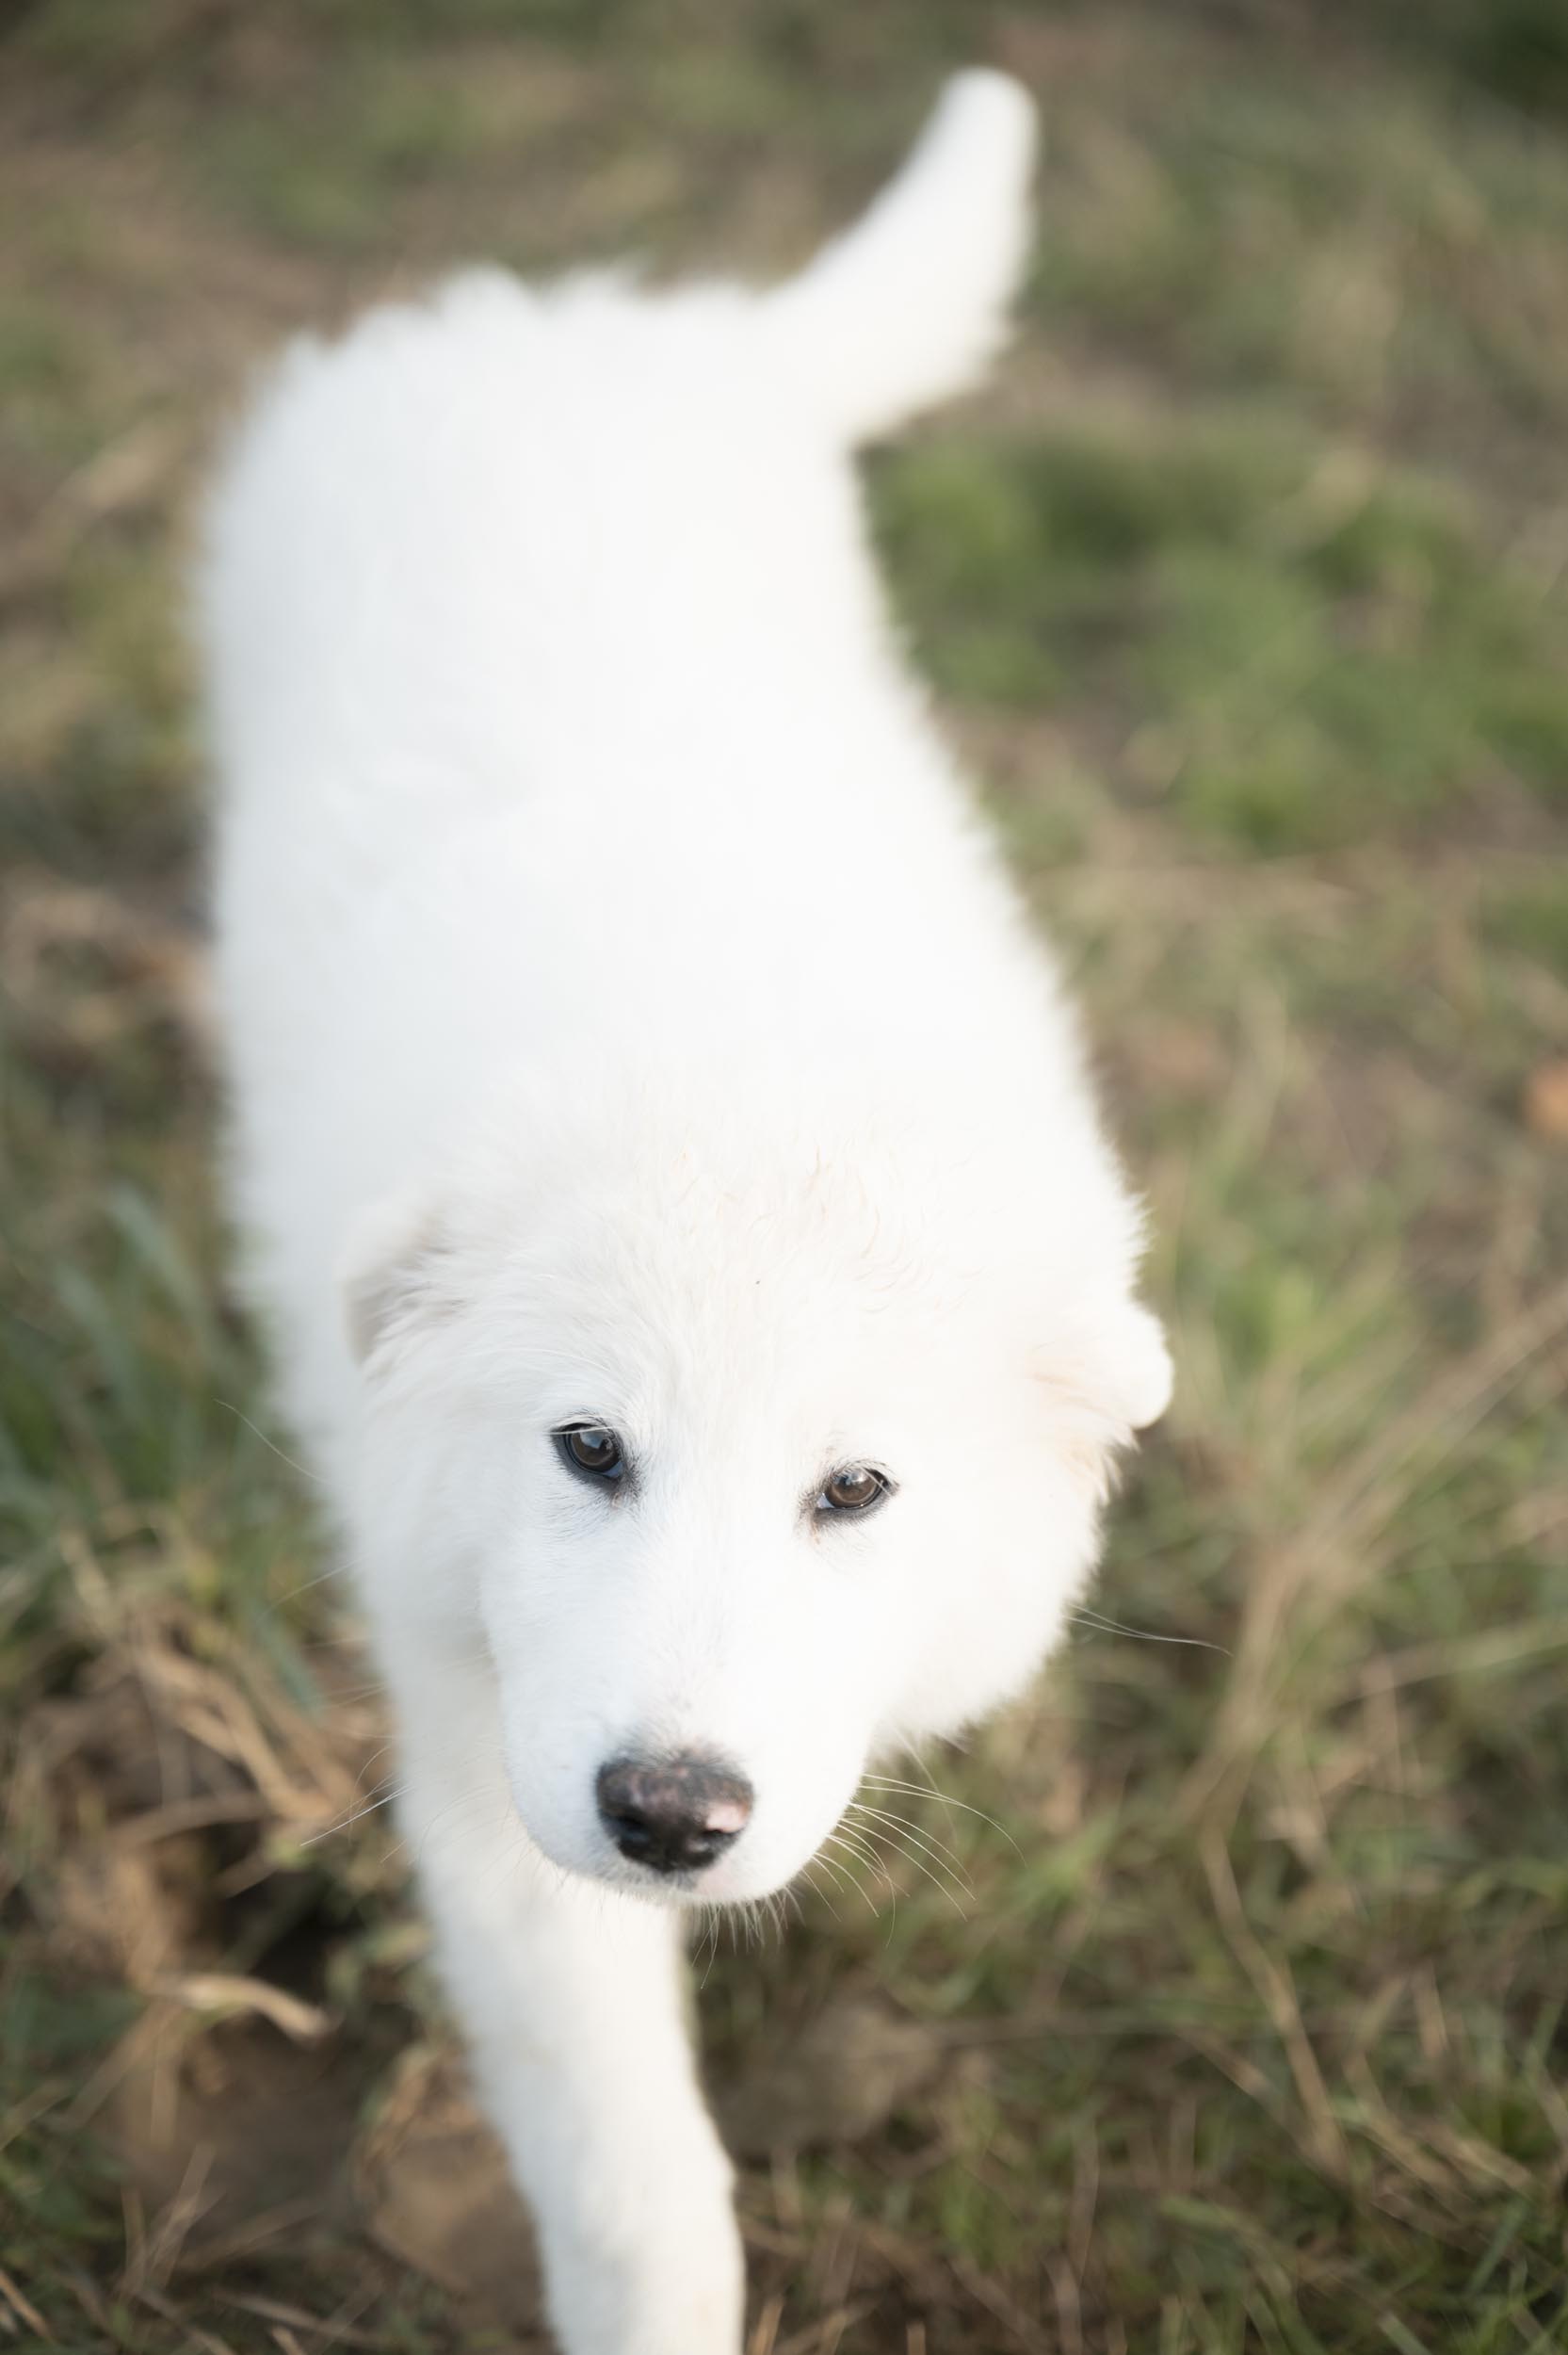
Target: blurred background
x=1223 y=2008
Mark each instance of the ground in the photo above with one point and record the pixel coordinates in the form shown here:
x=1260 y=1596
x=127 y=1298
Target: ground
x=1218 y=2004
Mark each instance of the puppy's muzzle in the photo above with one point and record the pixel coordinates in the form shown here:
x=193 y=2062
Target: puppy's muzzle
x=673 y=1815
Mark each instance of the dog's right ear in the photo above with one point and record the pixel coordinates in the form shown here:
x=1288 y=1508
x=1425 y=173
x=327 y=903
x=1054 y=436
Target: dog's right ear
x=385 y=1273
x=1107 y=1372
x=911 y=304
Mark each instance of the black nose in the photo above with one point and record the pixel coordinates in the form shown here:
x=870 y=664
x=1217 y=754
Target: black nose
x=673 y=1815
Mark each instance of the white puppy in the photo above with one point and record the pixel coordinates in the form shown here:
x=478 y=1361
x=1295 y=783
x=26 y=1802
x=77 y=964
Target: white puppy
x=694 y=1260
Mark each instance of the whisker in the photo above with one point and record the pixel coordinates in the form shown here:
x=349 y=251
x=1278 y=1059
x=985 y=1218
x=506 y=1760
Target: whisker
x=928 y=1866
x=858 y=1845
x=840 y=1878
x=910 y=1843
x=816 y=1890
x=844 y=1875
x=356 y=1815
x=308 y=1586
x=1144 y=1634
x=303 y=1470
x=834 y=1840
x=929 y=1840
x=930 y=1791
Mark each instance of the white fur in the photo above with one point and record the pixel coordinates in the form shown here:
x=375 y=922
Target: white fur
x=628 y=1020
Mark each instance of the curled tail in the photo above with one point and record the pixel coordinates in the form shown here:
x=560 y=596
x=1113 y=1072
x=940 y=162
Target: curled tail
x=909 y=305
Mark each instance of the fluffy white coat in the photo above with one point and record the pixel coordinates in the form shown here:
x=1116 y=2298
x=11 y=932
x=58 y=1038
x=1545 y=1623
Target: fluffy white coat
x=629 y=1024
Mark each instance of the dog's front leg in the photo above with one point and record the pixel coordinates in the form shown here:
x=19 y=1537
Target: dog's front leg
x=572 y=1999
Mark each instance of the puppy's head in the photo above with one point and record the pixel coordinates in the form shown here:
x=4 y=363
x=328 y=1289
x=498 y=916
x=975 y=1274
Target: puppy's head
x=742 y=1456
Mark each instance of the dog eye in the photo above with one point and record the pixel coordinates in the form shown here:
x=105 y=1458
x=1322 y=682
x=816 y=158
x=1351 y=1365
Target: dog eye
x=853 y=1489
x=593 y=1451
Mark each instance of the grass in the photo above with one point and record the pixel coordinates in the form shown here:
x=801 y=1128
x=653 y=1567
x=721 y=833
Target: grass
x=1271 y=626
x=1239 y=2027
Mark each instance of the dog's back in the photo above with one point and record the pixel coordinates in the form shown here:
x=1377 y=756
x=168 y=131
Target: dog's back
x=501 y=527
x=552 y=699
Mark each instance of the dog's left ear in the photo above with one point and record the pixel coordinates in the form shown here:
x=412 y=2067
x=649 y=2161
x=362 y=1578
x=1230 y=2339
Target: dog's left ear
x=1110 y=1369
x=386 y=1272
x=1141 y=1375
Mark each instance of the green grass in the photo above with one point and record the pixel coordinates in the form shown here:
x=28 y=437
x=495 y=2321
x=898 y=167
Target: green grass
x=1299 y=655
x=1243 y=2029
